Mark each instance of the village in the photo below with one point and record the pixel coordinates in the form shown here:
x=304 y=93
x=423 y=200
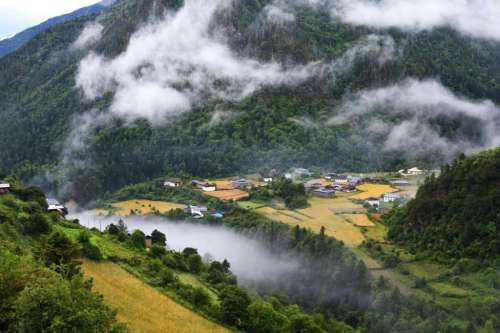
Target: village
x=345 y=206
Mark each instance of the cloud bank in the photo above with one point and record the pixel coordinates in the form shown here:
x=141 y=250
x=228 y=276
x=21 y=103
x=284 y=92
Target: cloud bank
x=171 y=64
x=476 y=18
x=408 y=114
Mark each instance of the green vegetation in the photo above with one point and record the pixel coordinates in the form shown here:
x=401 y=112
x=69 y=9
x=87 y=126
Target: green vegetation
x=41 y=286
x=456 y=215
x=38 y=103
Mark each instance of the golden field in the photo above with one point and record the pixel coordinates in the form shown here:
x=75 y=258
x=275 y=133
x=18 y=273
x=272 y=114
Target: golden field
x=228 y=195
x=145 y=207
x=372 y=190
x=142 y=307
x=321 y=213
x=360 y=220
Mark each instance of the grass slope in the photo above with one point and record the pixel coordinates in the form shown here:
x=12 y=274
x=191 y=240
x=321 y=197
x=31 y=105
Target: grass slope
x=142 y=307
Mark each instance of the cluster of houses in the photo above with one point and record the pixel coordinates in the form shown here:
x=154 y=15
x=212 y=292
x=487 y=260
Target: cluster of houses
x=386 y=202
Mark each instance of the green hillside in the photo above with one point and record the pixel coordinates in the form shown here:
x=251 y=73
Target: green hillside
x=39 y=105
x=456 y=214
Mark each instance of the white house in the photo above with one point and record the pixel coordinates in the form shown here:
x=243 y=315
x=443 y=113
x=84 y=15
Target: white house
x=411 y=172
x=391 y=197
x=172 y=183
x=197 y=211
x=4 y=187
x=55 y=206
x=373 y=202
x=341 y=180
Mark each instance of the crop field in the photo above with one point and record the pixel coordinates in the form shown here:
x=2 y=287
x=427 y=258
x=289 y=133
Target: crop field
x=321 y=213
x=223 y=184
x=142 y=307
x=372 y=190
x=228 y=195
x=145 y=207
x=360 y=220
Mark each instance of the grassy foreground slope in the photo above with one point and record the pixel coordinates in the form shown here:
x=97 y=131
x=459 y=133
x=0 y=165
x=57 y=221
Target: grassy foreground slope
x=142 y=307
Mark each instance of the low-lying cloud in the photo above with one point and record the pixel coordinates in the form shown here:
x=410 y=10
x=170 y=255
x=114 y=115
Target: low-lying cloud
x=405 y=115
x=476 y=18
x=90 y=35
x=250 y=260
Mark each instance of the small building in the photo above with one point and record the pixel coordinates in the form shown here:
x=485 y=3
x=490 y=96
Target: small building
x=411 y=172
x=391 y=197
x=172 y=182
x=148 y=242
x=400 y=182
x=373 y=201
x=267 y=176
x=241 y=183
x=341 y=180
x=324 y=192
x=196 y=211
x=4 y=187
x=218 y=215
x=355 y=180
x=56 y=206
x=330 y=176
x=204 y=186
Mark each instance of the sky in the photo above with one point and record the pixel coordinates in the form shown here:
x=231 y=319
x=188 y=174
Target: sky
x=17 y=15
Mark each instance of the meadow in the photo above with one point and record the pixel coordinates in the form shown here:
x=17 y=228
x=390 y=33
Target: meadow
x=372 y=190
x=142 y=307
x=228 y=195
x=142 y=207
x=321 y=213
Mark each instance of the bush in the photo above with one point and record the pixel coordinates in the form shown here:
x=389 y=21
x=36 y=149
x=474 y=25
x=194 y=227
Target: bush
x=157 y=251
x=91 y=252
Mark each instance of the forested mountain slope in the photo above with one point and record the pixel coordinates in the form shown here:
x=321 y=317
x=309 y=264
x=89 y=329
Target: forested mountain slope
x=11 y=44
x=50 y=133
x=457 y=214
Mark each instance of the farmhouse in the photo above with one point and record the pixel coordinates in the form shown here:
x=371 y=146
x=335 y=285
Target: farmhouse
x=391 y=197
x=341 y=180
x=411 y=172
x=241 y=183
x=324 y=192
x=355 y=180
x=267 y=176
x=173 y=182
x=55 y=206
x=373 y=201
x=196 y=211
x=4 y=187
x=204 y=186
x=298 y=173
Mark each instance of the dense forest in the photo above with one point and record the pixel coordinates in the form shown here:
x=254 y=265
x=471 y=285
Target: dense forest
x=42 y=114
x=455 y=215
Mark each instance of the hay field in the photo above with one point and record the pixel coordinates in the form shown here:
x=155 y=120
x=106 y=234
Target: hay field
x=142 y=307
x=228 y=195
x=360 y=220
x=372 y=190
x=223 y=184
x=320 y=213
x=145 y=207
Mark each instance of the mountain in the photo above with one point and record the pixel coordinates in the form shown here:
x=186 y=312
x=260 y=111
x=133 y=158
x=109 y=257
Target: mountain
x=299 y=101
x=10 y=45
x=456 y=214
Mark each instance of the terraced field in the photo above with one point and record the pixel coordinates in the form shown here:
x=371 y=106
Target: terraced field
x=142 y=307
